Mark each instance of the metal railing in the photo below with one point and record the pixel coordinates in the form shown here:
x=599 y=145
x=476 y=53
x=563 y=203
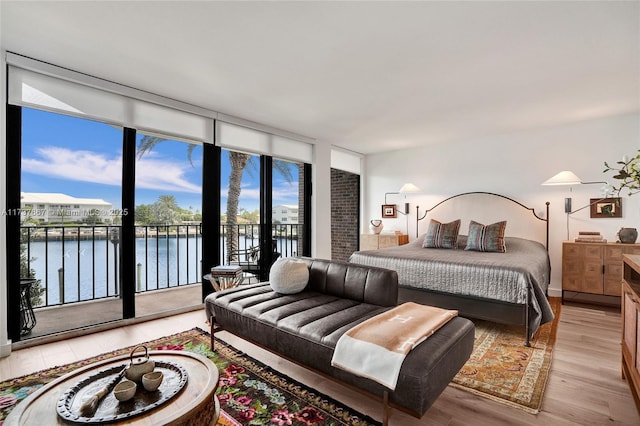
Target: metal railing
x=285 y=238
x=77 y=263
x=80 y=263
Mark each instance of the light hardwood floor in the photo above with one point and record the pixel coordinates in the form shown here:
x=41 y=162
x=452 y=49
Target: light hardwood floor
x=585 y=386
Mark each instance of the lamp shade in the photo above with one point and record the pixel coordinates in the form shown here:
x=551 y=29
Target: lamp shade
x=409 y=188
x=565 y=177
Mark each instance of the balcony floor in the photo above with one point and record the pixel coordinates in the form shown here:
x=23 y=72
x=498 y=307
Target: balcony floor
x=57 y=322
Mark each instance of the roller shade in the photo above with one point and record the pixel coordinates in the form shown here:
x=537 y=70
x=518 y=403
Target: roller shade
x=343 y=160
x=241 y=138
x=41 y=91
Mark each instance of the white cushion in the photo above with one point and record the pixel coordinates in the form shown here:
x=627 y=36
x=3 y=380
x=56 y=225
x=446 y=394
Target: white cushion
x=288 y=275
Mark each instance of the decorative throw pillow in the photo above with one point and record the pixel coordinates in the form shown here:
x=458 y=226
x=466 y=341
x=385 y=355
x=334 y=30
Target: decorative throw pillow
x=288 y=275
x=486 y=237
x=442 y=235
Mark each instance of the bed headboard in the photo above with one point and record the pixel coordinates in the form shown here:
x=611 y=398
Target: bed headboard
x=487 y=208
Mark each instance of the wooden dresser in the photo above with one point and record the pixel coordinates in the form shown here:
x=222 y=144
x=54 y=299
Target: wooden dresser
x=631 y=325
x=377 y=241
x=594 y=268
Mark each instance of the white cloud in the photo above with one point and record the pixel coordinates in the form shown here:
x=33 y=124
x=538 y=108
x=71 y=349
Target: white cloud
x=285 y=193
x=152 y=172
x=88 y=166
x=245 y=193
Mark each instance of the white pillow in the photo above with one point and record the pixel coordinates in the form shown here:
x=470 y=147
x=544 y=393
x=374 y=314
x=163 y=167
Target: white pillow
x=288 y=275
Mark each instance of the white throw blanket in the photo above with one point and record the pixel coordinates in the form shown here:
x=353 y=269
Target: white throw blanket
x=377 y=347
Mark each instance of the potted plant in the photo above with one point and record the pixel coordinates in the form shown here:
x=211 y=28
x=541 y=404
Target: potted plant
x=627 y=172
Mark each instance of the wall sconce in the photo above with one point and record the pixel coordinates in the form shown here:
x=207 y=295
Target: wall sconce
x=566 y=177
x=407 y=188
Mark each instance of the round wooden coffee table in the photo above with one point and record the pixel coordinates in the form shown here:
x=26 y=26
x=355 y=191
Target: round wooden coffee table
x=195 y=404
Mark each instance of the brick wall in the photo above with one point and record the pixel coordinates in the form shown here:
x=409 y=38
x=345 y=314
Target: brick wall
x=345 y=213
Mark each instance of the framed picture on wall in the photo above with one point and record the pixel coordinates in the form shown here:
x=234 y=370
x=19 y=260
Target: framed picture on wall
x=389 y=211
x=606 y=207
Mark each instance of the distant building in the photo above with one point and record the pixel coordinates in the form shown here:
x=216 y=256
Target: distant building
x=57 y=208
x=285 y=214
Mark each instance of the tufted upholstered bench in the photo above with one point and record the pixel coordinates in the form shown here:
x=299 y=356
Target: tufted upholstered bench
x=305 y=327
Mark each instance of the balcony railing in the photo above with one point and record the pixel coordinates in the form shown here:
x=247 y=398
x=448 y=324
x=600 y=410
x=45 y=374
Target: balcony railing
x=81 y=263
x=285 y=238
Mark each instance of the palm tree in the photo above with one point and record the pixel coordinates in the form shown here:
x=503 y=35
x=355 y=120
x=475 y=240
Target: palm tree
x=239 y=162
x=165 y=211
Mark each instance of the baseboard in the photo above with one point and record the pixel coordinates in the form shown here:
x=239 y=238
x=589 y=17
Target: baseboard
x=5 y=349
x=554 y=292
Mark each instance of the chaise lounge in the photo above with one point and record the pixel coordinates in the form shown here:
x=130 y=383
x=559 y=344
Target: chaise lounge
x=305 y=327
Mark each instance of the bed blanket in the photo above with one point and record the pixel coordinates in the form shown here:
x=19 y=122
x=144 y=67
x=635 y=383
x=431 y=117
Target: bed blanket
x=523 y=271
x=377 y=347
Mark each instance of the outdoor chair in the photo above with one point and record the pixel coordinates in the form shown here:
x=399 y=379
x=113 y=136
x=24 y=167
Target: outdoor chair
x=249 y=259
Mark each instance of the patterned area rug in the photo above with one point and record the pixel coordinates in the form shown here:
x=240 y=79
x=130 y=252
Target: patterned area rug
x=502 y=369
x=250 y=393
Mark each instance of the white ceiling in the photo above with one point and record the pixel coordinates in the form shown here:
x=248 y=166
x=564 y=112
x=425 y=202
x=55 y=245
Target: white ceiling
x=367 y=76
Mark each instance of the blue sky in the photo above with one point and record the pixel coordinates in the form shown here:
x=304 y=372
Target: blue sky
x=83 y=158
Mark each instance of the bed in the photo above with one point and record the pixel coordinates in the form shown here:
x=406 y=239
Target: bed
x=509 y=287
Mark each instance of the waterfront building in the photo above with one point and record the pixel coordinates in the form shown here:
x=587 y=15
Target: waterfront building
x=285 y=214
x=59 y=208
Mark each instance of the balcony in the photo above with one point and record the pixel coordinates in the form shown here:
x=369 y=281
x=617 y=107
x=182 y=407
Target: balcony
x=77 y=268
x=74 y=317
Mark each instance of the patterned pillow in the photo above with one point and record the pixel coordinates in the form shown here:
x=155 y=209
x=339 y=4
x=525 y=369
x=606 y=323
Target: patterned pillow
x=442 y=235
x=486 y=237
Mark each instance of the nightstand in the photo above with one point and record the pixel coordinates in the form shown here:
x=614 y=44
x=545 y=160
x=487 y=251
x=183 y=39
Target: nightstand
x=378 y=241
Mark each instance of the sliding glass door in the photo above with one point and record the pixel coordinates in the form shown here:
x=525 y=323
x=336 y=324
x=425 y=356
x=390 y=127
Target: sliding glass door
x=168 y=240
x=262 y=211
x=240 y=211
x=106 y=220
x=69 y=222
x=288 y=206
